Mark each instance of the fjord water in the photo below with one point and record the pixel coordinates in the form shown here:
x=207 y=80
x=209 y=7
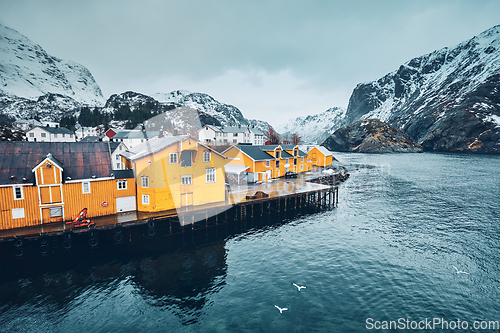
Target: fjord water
x=386 y=252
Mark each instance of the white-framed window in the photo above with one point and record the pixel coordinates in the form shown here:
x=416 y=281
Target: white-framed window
x=268 y=163
x=235 y=134
x=225 y=140
x=174 y=158
x=55 y=135
x=302 y=167
x=18 y=193
x=56 y=211
x=43 y=135
x=207 y=156
x=145 y=181
x=32 y=135
x=277 y=163
x=145 y=199
x=210 y=172
x=278 y=154
x=121 y=184
x=235 y=141
x=117 y=157
x=186 y=180
x=18 y=213
x=85 y=187
x=295 y=152
x=302 y=160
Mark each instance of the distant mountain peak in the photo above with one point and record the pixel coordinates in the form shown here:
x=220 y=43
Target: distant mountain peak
x=28 y=71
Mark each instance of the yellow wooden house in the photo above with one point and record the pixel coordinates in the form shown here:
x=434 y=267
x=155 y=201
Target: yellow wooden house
x=265 y=162
x=53 y=181
x=174 y=172
x=319 y=155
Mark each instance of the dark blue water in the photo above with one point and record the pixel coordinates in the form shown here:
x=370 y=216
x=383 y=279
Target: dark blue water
x=386 y=253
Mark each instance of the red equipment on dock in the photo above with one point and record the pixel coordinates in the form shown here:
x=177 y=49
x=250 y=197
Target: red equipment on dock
x=81 y=220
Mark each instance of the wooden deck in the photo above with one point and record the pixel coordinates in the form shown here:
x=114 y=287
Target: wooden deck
x=301 y=189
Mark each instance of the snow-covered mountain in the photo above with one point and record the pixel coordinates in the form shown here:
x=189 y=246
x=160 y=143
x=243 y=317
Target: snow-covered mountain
x=315 y=128
x=447 y=100
x=26 y=70
x=227 y=115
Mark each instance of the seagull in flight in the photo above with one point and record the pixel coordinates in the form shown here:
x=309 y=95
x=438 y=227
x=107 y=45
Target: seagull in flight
x=298 y=287
x=458 y=272
x=281 y=309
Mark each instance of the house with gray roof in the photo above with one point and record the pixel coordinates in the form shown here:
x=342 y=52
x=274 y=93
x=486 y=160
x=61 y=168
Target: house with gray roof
x=230 y=135
x=50 y=134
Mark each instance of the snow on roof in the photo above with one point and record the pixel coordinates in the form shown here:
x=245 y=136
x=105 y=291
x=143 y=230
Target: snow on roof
x=152 y=146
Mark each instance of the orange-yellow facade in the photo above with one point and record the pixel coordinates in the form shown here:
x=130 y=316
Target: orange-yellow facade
x=52 y=200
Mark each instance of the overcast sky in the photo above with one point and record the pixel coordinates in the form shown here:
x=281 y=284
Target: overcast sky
x=274 y=60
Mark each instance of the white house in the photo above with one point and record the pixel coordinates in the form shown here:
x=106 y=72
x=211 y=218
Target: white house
x=117 y=148
x=50 y=134
x=83 y=132
x=230 y=135
x=130 y=138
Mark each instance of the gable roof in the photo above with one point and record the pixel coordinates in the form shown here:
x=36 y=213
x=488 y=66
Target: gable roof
x=78 y=160
x=254 y=152
x=54 y=130
x=322 y=149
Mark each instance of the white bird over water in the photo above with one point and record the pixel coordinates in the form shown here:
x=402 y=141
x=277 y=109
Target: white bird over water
x=281 y=309
x=298 y=287
x=458 y=272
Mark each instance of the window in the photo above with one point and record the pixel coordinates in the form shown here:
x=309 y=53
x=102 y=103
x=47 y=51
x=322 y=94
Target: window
x=117 y=157
x=206 y=156
x=294 y=161
x=71 y=135
x=186 y=179
x=32 y=135
x=225 y=134
x=63 y=135
x=121 y=148
x=145 y=199
x=235 y=134
x=278 y=154
x=18 y=213
x=225 y=140
x=235 y=141
x=121 y=184
x=145 y=181
x=85 y=187
x=18 y=193
x=287 y=161
x=277 y=163
x=302 y=160
x=268 y=163
x=186 y=158
x=118 y=165
x=55 y=211
x=302 y=167
x=173 y=158
x=295 y=152
x=210 y=175
x=55 y=135
x=44 y=135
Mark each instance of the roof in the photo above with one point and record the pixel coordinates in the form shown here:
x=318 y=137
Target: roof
x=152 y=146
x=119 y=174
x=78 y=160
x=322 y=149
x=135 y=134
x=231 y=168
x=54 y=130
x=255 y=152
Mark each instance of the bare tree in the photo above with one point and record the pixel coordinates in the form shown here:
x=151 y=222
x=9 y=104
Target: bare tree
x=286 y=140
x=272 y=136
x=296 y=139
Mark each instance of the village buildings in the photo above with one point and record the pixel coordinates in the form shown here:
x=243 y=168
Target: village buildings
x=172 y=172
x=319 y=155
x=53 y=181
x=50 y=134
x=130 y=138
x=230 y=135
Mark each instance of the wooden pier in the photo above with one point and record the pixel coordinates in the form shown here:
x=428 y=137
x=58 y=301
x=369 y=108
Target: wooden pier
x=284 y=200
